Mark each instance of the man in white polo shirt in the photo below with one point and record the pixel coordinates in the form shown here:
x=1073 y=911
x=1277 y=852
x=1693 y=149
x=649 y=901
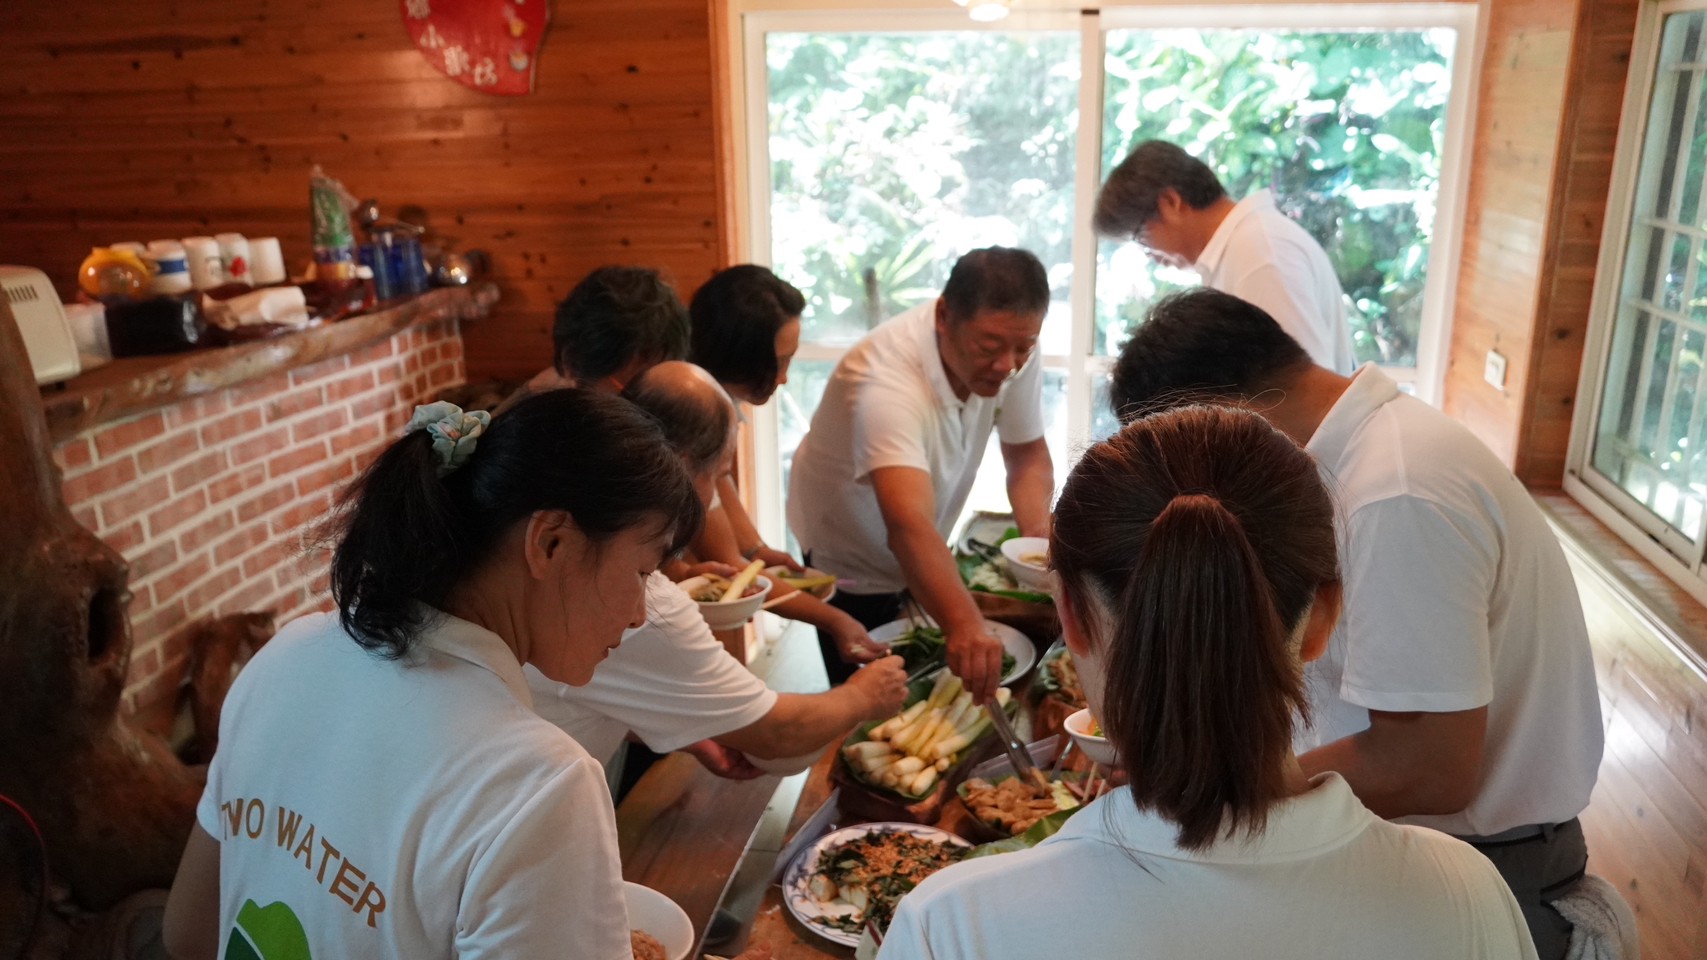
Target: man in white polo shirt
x=1458 y=692
x=1173 y=205
x=882 y=476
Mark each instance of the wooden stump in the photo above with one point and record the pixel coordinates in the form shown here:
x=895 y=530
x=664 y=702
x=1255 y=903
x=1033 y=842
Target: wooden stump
x=113 y=804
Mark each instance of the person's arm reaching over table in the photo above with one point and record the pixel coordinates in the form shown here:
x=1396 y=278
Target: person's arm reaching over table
x=1031 y=485
x=1416 y=653
x=905 y=497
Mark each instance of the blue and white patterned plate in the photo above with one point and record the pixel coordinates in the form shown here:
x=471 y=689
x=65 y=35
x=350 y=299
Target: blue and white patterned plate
x=814 y=913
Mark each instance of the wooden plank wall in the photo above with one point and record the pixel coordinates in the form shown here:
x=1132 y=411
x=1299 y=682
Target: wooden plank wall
x=141 y=121
x=1600 y=63
x=1551 y=89
x=1647 y=822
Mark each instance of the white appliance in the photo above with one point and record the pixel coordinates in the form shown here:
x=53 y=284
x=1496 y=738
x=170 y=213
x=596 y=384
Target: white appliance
x=47 y=334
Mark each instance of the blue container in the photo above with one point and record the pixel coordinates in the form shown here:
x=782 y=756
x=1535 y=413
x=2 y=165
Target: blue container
x=373 y=255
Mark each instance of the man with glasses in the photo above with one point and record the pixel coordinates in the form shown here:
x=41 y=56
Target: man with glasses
x=1174 y=206
x=882 y=475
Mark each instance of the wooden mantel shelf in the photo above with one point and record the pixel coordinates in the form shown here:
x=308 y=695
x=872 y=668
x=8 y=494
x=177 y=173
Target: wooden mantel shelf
x=135 y=384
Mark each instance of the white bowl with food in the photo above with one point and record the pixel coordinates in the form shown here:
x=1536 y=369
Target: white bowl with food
x=1087 y=733
x=1028 y=561
x=657 y=916
x=721 y=610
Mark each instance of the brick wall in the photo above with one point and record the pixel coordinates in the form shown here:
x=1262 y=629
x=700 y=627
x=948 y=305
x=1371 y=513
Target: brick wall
x=209 y=498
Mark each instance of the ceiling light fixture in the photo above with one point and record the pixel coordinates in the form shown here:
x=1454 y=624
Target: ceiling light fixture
x=987 y=11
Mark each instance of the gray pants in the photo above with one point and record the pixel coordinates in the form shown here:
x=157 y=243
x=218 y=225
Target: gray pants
x=1540 y=869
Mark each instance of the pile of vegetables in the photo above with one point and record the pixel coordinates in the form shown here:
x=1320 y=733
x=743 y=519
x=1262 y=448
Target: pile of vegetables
x=909 y=752
x=923 y=647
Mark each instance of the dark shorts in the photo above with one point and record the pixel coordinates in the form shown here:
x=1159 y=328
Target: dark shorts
x=1539 y=869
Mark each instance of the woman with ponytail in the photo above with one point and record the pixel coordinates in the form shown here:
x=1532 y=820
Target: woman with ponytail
x=1197 y=572
x=382 y=786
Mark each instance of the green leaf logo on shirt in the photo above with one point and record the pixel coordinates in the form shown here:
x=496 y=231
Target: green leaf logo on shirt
x=271 y=932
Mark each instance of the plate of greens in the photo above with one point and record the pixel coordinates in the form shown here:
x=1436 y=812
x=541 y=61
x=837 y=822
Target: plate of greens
x=920 y=644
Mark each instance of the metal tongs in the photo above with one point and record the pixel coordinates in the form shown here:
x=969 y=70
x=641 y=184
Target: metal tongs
x=1018 y=755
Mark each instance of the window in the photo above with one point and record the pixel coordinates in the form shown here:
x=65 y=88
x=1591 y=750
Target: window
x=880 y=148
x=1638 y=459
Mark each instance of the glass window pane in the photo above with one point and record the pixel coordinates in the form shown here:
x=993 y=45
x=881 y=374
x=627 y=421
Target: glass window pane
x=893 y=154
x=1648 y=433
x=795 y=403
x=1347 y=129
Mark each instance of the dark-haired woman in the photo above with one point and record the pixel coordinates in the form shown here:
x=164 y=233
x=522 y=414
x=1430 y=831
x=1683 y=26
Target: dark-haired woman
x=745 y=331
x=383 y=787
x=1198 y=571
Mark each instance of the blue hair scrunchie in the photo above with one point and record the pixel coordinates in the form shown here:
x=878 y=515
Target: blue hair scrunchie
x=454 y=432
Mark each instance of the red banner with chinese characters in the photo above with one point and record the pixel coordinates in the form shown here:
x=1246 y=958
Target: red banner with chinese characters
x=489 y=45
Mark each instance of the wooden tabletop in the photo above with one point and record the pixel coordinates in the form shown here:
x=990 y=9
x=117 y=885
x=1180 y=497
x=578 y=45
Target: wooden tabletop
x=683 y=831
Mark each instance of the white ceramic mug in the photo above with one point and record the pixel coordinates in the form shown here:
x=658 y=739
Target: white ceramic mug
x=206 y=269
x=266 y=261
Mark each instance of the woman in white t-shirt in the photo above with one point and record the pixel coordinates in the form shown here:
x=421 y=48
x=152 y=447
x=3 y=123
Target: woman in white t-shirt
x=382 y=786
x=746 y=330
x=1198 y=571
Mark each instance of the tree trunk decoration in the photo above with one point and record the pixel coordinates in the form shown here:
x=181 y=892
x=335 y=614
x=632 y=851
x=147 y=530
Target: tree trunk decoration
x=113 y=804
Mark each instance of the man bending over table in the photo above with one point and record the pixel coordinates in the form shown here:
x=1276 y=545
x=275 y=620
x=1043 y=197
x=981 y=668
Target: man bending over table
x=1458 y=691
x=883 y=473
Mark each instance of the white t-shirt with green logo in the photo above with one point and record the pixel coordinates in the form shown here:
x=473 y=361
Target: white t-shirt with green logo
x=418 y=809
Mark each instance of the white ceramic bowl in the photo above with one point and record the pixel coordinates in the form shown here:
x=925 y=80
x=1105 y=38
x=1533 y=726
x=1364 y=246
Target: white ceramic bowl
x=1031 y=576
x=1097 y=748
x=730 y=614
x=651 y=912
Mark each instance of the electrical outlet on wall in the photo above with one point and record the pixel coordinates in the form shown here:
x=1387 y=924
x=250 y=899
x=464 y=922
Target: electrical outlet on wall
x=1493 y=370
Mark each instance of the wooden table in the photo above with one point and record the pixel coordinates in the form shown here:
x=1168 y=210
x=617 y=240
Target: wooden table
x=683 y=832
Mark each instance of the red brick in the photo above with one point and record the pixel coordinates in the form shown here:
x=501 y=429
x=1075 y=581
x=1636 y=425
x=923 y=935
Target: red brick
x=124 y=539
x=318 y=425
x=153 y=560
x=118 y=508
x=346 y=387
x=374 y=404
x=233 y=484
x=322 y=477
x=273 y=555
x=167 y=453
x=103 y=479
x=319 y=371
x=207 y=530
x=229 y=426
x=306 y=512
x=175 y=582
x=267 y=502
x=201 y=598
x=160 y=621
x=198 y=471
x=239 y=543
x=412 y=363
x=293 y=403
x=360 y=436
x=253 y=596
x=177 y=512
x=390 y=373
x=292 y=460
x=176 y=646
x=262 y=444
x=78 y=452
x=85 y=516
x=123 y=436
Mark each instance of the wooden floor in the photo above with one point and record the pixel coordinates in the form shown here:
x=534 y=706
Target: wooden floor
x=1647 y=822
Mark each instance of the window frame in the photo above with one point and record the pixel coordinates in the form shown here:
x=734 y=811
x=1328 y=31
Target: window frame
x=1657 y=542
x=748 y=21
